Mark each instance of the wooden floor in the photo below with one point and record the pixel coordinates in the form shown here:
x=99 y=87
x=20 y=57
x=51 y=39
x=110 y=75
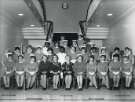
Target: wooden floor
x=87 y=95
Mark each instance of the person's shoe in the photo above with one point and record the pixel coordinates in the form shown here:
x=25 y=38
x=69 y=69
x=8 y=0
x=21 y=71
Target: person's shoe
x=44 y=88
x=80 y=89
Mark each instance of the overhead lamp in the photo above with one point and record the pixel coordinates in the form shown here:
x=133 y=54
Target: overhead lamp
x=20 y=14
x=65 y=4
x=109 y=14
x=32 y=25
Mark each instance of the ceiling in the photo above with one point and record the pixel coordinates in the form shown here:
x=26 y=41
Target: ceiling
x=114 y=7
x=11 y=8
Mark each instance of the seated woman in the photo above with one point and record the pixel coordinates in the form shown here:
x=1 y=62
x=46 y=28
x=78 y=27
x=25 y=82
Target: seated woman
x=79 y=69
x=91 y=71
x=55 y=70
x=102 y=68
x=68 y=71
x=127 y=69
x=31 y=72
x=43 y=71
x=19 y=69
x=115 y=70
x=8 y=66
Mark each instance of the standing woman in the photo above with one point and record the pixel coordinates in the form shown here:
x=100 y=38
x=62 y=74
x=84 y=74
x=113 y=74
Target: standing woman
x=43 y=71
x=91 y=71
x=31 y=72
x=127 y=69
x=84 y=54
x=38 y=54
x=55 y=70
x=75 y=44
x=80 y=41
x=72 y=53
x=61 y=55
x=50 y=54
x=104 y=52
x=8 y=70
x=19 y=69
x=68 y=71
x=102 y=68
x=17 y=52
x=79 y=69
x=115 y=70
x=56 y=47
x=28 y=53
x=45 y=47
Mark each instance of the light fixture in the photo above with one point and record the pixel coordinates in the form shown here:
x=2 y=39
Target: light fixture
x=32 y=25
x=65 y=4
x=98 y=25
x=109 y=14
x=20 y=14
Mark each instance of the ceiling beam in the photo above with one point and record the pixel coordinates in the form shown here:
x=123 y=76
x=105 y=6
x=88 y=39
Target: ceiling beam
x=34 y=10
x=42 y=3
x=92 y=8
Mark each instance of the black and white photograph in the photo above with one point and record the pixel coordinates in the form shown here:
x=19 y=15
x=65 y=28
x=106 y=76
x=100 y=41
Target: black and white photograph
x=67 y=50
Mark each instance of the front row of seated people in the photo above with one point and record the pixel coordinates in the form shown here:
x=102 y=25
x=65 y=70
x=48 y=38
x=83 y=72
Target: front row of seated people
x=68 y=69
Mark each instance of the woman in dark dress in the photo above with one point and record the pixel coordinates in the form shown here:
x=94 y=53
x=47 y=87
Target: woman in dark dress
x=68 y=71
x=55 y=70
x=44 y=71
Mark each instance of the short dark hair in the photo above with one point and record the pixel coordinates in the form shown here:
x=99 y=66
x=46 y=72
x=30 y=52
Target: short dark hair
x=62 y=49
x=50 y=49
x=45 y=56
x=92 y=57
x=47 y=44
x=17 y=48
x=116 y=48
x=126 y=57
x=127 y=48
x=83 y=48
x=116 y=55
x=33 y=57
x=79 y=56
x=55 y=56
x=10 y=55
x=103 y=56
x=20 y=56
